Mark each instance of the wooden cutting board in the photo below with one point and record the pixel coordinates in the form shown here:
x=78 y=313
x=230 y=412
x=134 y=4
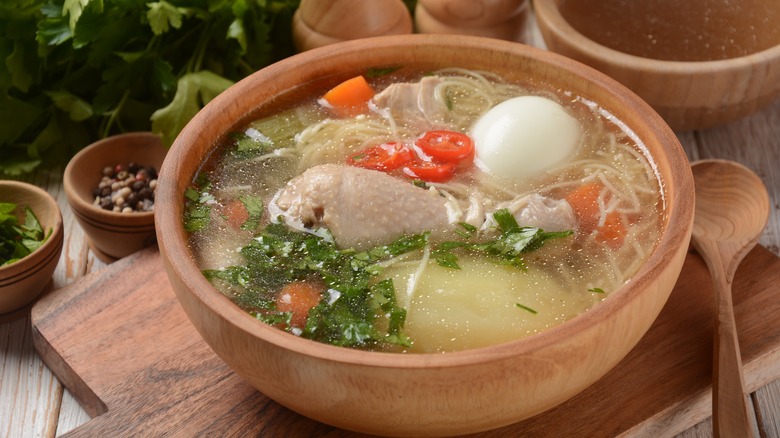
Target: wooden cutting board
x=121 y=343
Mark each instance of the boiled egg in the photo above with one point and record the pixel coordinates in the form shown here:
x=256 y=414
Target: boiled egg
x=524 y=136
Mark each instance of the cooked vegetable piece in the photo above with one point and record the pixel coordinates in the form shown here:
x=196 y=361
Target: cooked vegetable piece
x=279 y=256
x=235 y=213
x=297 y=298
x=446 y=146
x=350 y=97
x=584 y=200
x=385 y=157
x=430 y=171
x=613 y=232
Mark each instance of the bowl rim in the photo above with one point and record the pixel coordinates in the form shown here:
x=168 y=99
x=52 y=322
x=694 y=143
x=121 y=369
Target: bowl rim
x=40 y=257
x=549 y=16
x=170 y=227
x=87 y=210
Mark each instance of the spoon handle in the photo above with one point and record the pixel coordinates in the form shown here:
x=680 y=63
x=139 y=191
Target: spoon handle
x=729 y=409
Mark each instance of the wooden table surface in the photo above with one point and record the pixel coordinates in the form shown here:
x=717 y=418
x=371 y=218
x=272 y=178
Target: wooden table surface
x=34 y=404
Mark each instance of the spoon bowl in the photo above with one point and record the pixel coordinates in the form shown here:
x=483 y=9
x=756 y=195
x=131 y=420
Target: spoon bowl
x=732 y=209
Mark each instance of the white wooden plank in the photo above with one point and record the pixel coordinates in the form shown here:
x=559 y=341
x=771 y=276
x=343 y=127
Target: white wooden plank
x=29 y=393
x=71 y=414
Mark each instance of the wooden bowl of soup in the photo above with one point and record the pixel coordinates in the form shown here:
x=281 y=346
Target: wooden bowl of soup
x=698 y=63
x=445 y=266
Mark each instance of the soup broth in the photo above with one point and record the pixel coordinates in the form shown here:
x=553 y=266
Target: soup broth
x=290 y=220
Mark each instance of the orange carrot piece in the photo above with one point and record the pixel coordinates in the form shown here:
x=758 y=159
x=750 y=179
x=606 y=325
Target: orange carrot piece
x=235 y=213
x=350 y=97
x=613 y=232
x=298 y=298
x=584 y=202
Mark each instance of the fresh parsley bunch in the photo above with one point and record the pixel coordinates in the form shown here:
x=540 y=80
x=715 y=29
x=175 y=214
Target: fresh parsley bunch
x=73 y=71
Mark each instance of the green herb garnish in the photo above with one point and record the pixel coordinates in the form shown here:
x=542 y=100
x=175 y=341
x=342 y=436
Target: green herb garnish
x=254 y=206
x=278 y=256
x=197 y=207
x=380 y=71
x=526 y=308
x=596 y=290
x=508 y=248
x=18 y=240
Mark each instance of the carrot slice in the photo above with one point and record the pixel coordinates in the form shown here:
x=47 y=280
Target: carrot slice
x=350 y=97
x=298 y=298
x=584 y=200
x=235 y=213
x=613 y=232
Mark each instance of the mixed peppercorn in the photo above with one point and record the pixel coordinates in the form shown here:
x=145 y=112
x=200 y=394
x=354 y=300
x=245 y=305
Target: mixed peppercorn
x=126 y=189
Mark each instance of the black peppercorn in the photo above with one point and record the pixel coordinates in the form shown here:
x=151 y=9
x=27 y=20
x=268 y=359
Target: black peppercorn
x=126 y=188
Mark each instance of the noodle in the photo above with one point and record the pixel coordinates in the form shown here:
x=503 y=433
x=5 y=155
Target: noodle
x=560 y=277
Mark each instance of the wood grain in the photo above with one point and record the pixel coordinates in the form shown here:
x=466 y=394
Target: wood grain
x=689 y=95
x=127 y=350
x=732 y=208
x=502 y=19
x=32 y=406
x=317 y=23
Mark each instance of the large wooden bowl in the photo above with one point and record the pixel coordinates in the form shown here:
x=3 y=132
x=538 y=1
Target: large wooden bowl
x=424 y=394
x=688 y=95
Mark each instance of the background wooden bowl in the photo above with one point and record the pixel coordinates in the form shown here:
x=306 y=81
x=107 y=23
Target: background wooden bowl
x=317 y=23
x=424 y=394
x=112 y=235
x=688 y=95
x=22 y=281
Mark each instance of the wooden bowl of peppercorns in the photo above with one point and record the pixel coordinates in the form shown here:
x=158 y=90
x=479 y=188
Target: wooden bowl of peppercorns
x=110 y=186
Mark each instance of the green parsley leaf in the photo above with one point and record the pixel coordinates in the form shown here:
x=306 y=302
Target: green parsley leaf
x=162 y=16
x=508 y=248
x=526 y=308
x=254 y=206
x=18 y=240
x=193 y=90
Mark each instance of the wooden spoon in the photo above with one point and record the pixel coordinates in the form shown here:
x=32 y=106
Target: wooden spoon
x=732 y=209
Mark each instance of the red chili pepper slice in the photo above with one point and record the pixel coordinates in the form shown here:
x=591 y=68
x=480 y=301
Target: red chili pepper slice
x=430 y=171
x=385 y=157
x=446 y=146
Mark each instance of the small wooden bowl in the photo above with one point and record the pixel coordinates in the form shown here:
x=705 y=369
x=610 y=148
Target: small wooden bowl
x=317 y=23
x=112 y=235
x=688 y=95
x=502 y=19
x=22 y=281
x=424 y=394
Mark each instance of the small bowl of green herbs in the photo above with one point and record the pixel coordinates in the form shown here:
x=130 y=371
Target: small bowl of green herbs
x=31 y=239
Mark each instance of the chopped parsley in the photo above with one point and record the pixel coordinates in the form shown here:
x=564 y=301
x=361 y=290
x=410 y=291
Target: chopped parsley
x=349 y=314
x=254 y=207
x=18 y=240
x=197 y=208
x=526 y=308
x=279 y=255
x=596 y=290
x=508 y=248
